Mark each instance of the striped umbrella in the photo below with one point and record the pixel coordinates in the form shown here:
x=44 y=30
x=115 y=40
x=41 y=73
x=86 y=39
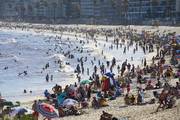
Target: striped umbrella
x=47 y=110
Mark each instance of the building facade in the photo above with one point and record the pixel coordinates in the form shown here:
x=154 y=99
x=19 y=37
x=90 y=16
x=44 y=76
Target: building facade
x=144 y=10
x=92 y=11
x=32 y=9
x=178 y=10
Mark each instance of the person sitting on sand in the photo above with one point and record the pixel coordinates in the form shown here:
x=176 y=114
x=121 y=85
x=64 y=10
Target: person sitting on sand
x=149 y=86
x=47 y=94
x=177 y=85
x=126 y=99
x=118 y=91
x=139 y=99
x=57 y=89
x=84 y=103
x=132 y=99
x=158 y=84
x=95 y=103
x=103 y=102
x=111 y=95
x=166 y=86
x=162 y=100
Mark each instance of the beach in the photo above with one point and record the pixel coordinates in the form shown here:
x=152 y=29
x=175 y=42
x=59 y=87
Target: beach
x=27 y=48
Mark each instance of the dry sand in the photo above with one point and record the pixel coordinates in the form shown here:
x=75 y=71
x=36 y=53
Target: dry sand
x=143 y=112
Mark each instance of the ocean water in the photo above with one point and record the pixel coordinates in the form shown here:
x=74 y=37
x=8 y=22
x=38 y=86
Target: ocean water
x=27 y=51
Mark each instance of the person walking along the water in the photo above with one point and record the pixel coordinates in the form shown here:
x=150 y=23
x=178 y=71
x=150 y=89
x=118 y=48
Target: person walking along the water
x=47 y=78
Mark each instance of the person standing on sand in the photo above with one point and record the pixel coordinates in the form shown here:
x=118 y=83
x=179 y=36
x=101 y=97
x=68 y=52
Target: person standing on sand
x=145 y=63
x=128 y=88
x=35 y=113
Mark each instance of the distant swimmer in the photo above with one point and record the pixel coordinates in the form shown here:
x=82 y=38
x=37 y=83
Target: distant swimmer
x=23 y=73
x=5 y=68
x=25 y=91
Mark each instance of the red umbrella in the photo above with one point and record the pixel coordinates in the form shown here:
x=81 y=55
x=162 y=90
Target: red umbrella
x=47 y=110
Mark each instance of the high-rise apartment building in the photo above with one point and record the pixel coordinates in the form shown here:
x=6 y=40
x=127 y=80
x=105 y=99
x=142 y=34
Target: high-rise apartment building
x=102 y=11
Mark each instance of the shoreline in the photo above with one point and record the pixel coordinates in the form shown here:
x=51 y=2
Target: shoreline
x=84 y=26
x=114 y=105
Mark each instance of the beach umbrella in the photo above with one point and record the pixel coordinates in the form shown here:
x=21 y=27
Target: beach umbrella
x=18 y=111
x=177 y=51
x=69 y=102
x=47 y=110
x=178 y=57
x=85 y=81
x=109 y=74
x=6 y=103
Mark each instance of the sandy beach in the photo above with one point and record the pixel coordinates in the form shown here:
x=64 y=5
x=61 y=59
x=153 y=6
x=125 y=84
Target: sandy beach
x=27 y=38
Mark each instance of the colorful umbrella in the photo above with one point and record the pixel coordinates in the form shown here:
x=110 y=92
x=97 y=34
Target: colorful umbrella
x=47 y=110
x=69 y=102
x=178 y=57
x=85 y=81
x=110 y=74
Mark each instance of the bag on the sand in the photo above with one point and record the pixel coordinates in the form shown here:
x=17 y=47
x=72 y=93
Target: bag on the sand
x=106 y=116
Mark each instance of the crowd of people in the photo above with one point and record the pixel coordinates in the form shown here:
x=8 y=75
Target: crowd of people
x=110 y=80
x=155 y=75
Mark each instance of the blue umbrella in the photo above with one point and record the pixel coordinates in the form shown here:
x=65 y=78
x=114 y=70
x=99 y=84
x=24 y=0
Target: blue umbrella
x=110 y=74
x=178 y=51
x=47 y=110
